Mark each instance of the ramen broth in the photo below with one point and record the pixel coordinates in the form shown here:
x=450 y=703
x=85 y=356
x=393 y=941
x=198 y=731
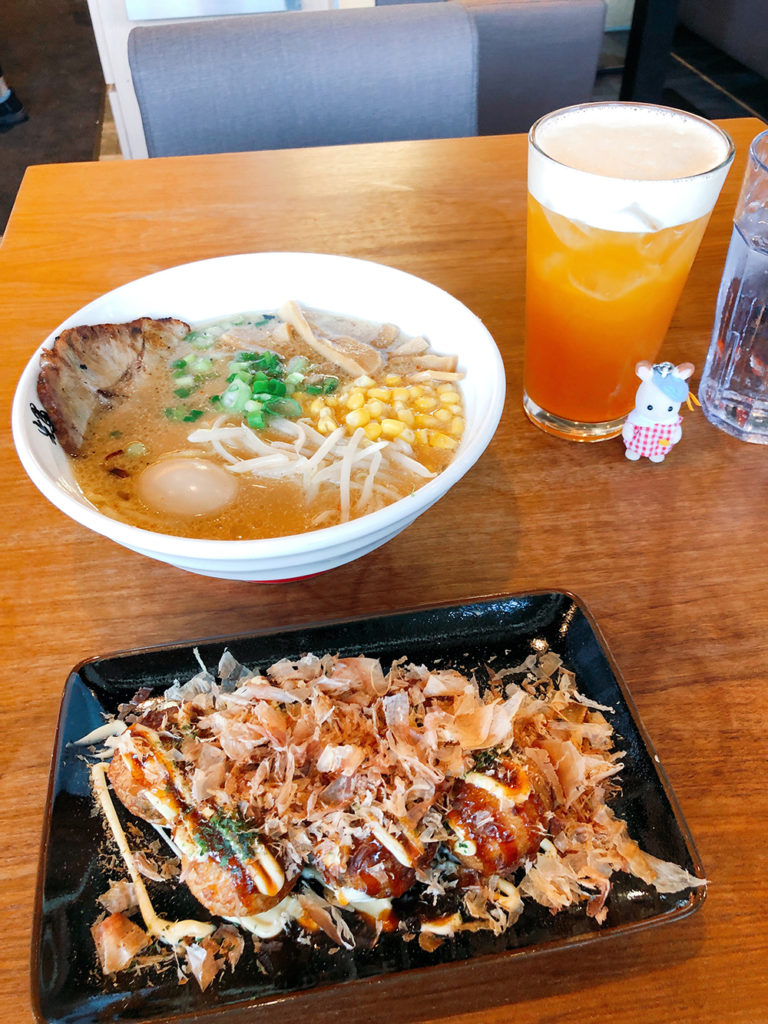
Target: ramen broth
x=171 y=458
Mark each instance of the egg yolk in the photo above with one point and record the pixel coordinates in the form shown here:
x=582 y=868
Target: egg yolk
x=186 y=487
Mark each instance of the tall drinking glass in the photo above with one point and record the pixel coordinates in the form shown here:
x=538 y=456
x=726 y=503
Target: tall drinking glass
x=619 y=196
x=734 y=384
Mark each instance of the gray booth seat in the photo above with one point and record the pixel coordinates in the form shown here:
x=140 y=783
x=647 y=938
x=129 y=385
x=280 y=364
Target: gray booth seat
x=533 y=56
x=737 y=27
x=385 y=73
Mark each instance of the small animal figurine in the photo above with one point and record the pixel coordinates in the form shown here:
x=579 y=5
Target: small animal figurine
x=653 y=426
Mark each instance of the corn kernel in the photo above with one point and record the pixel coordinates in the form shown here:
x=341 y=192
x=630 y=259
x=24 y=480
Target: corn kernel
x=357 y=418
x=443 y=415
x=401 y=394
x=422 y=436
x=408 y=435
x=426 y=403
x=423 y=419
x=355 y=399
x=457 y=426
x=405 y=416
x=440 y=440
x=392 y=380
x=332 y=401
x=449 y=396
x=316 y=406
x=383 y=394
x=391 y=428
x=364 y=382
x=372 y=430
x=375 y=408
x=326 y=425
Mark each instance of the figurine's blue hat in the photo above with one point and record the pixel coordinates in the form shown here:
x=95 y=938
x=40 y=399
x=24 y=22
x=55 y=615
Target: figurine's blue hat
x=669 y=383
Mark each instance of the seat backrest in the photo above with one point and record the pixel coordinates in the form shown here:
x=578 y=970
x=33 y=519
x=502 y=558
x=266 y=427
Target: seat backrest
x=314 y=78
x=534 y=56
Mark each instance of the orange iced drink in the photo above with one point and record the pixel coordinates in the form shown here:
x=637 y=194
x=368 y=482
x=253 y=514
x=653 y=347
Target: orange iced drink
x=619 y=196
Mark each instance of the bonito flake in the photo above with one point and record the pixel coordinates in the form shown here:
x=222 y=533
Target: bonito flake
x=313 y=796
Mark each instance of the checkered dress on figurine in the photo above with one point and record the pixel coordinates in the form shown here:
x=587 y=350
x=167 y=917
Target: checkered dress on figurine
x=654 y=425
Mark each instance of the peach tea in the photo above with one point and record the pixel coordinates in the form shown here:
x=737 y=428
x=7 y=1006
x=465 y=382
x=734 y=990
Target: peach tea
x=619 y=196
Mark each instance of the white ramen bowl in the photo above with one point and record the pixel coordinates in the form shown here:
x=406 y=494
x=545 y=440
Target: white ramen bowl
x=230 y=284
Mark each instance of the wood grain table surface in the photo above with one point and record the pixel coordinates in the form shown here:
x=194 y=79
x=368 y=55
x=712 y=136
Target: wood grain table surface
x=671 y=559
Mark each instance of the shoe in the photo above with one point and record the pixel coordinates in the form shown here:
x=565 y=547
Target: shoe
x=11 y=112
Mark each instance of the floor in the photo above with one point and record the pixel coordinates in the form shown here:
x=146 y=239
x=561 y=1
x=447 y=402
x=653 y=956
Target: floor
x=49 y=57
x=110 y=144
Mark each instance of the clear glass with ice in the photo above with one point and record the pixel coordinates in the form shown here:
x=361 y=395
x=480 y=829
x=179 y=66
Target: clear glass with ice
x=734 y=385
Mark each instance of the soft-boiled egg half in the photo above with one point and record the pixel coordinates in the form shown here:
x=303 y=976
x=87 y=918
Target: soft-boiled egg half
x=186 y=486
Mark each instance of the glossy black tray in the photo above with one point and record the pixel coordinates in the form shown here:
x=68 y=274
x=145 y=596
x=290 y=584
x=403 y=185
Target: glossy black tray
x=67 y=983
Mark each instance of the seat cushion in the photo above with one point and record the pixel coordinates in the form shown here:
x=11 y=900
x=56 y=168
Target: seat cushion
x=273 y=81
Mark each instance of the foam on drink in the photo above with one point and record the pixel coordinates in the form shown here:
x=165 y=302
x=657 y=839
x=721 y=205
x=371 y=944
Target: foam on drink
x=627 y=167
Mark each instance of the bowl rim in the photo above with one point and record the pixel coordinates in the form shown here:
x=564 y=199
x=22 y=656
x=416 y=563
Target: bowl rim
x=268 y=548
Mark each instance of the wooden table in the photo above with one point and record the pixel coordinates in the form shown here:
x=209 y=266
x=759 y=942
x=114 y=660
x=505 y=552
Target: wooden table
x=671 y=559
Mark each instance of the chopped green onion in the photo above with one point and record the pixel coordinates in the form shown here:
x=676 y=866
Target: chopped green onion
x=206 y=336
x=175 y=414
x=287 y=407
x=271 y=387
x=178 y=364
x=135 y=448
x=236 y=395
x=183 y=392
x=192 y=415
x=298 y=364
x=269 y=361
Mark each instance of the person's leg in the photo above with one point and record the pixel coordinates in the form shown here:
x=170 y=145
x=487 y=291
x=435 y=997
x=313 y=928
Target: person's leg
x=11 y=110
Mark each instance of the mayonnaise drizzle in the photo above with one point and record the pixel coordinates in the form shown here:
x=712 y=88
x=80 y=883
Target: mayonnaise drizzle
x=115 y=727
x=271 y=922
x=170 y=932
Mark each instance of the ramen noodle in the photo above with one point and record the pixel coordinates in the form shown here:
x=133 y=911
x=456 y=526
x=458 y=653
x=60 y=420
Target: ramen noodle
x=261 y=425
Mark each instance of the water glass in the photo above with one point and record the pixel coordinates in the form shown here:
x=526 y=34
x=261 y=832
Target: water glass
x=734 y=385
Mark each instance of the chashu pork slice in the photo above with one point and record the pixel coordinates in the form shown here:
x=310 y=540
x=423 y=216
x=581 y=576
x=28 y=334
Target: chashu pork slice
x=89 y=368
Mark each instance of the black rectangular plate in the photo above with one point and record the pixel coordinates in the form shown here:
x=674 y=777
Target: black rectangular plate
x=68 y=987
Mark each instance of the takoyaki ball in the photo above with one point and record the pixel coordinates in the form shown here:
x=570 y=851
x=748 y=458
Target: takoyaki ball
x=158 y=715
x=497 y=819
x=370 y=868
x=229 y=890
x=134 y=773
